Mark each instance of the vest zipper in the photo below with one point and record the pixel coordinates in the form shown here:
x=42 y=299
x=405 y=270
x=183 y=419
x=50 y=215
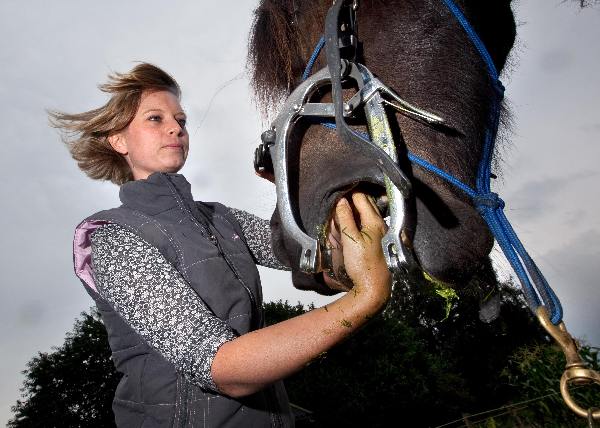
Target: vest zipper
x=207 y=233
x=257 y=319
x=271 y=394
x=206 y=230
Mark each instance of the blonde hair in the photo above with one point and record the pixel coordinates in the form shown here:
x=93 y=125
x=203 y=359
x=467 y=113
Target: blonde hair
x=86 y=134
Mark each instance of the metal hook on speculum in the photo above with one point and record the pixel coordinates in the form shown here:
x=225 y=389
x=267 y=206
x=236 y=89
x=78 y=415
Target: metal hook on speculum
x=576 y=371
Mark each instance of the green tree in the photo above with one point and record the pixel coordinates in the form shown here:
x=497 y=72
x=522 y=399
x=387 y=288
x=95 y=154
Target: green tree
x=534 y=372
x=474 y=349
x=426 y=360
x=383 y=373
x=73 y=386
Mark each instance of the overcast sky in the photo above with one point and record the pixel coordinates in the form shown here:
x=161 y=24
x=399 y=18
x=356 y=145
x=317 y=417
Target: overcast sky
x=53 y=54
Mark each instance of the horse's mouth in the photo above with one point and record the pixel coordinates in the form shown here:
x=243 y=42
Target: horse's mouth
x=435 y=241
x=375 y=191
x=330 y=236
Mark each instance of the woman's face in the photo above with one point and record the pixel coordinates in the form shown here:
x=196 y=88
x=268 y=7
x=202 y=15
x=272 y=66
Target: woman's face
x=156 y=140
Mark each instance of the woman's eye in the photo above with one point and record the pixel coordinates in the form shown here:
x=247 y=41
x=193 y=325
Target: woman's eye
x=154 y=118
x=182 y=122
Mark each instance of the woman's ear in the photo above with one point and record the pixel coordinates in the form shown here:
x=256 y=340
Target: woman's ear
x=117 y=142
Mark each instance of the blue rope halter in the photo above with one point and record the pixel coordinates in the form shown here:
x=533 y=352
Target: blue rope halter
x=535 y=287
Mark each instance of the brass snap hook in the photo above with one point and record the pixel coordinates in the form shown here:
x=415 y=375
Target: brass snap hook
x=576 y=370
x=590 y=416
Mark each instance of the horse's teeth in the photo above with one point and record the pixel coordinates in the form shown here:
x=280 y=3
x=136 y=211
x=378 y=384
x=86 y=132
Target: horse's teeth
x=382 y=204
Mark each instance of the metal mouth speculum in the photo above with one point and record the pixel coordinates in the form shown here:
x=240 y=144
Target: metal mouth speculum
x=373 y=97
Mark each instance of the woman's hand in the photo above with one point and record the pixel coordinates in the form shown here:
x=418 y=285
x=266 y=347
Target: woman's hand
x=253 y=360
x=361 y=231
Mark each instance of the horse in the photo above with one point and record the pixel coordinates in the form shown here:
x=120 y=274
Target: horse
x=417 y=48
x=444 y=58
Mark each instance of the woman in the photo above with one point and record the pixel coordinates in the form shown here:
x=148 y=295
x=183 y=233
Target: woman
x=176 y=280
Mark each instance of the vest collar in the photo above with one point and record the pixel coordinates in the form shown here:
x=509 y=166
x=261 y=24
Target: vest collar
x=157 y=193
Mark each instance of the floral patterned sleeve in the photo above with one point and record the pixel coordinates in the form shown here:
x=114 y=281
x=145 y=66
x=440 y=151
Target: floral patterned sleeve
x=257 y=233
x=151 y=295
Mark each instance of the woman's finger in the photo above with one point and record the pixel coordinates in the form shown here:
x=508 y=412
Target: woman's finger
x=370 y=217
x=344 y=218
x=371 y=199
x=365 y=204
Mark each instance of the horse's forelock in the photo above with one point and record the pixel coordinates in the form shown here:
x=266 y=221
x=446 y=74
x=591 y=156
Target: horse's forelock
x=272 y=50
x=283 y=34
x=277 y=47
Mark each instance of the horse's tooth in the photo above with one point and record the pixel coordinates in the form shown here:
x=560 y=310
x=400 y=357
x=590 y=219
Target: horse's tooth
x=382 y=204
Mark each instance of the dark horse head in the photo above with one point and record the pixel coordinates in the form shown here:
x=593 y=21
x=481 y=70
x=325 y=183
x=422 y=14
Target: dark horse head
x=417 y=48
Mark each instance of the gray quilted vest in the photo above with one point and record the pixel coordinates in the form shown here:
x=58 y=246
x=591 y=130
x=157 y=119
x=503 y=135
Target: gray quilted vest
x=205 y=244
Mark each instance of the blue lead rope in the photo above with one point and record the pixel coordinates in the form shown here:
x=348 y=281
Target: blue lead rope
x=313 y=58
x=535 y=287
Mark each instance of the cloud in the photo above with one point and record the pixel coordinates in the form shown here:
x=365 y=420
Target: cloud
x=572 y=270
x=556 y=61
x=592 y=128
x=533 y=198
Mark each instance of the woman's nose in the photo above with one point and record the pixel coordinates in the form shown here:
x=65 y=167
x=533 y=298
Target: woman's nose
x=176 y=129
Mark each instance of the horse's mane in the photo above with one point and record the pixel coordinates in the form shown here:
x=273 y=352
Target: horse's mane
x=284 y=33
x=277 y=46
